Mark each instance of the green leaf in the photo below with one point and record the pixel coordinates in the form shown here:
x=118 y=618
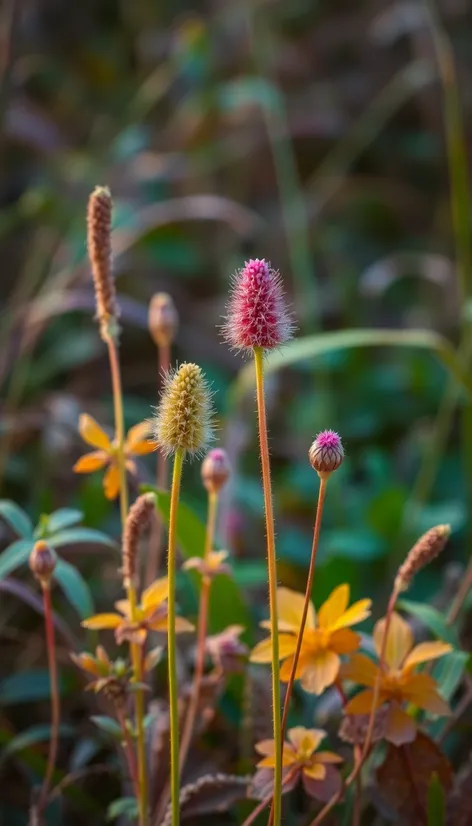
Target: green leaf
x=14 y=556
x=314 y=346
x=35 y=734
x=26 y=687
x=360 y=545
x=108 y=724
x=448 y=672
x=127 y=806
x=75 y=588
x=250 y=574
x=436 y=802
x=431 y=618
x=16 y=518
x=63 y=518
x=80 y=536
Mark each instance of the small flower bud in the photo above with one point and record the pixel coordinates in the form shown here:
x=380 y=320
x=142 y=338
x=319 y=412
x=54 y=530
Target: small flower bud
x=163 y=319
x=42 y=562
x=139 y=518
x=99 y=250
x=422 y=553
x=326 y=453
x=256 y=312
x=216 y=470
x=184 y=415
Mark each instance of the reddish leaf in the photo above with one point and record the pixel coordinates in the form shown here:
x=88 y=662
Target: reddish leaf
x=262 y=784
x=405 y=775
x=324 y=789
x=459 y=808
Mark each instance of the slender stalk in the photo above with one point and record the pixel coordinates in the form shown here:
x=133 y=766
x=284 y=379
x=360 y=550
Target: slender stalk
x=201 y=633
x=55 y=706
x=306 y=605
x=265 y=802
x=356 y=815
x=131 y=589
x=272 y=571
x=171 y=642
x=155 y=542
x=464 y=588
x=129 y=751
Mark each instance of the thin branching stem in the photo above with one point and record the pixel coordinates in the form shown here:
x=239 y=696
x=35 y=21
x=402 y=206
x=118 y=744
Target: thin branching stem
x=55 y=705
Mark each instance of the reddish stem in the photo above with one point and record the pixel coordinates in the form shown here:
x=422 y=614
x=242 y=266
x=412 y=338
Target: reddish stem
x=55 y=707
x=129 y=751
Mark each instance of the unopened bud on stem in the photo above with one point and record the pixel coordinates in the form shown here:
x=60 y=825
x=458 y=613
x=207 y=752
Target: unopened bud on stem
x=216 y=470
x=42 y=562
x=163 y=319
x=326 y=453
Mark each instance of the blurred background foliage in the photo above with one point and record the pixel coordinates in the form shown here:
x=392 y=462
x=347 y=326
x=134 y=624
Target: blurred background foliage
x=310 y=133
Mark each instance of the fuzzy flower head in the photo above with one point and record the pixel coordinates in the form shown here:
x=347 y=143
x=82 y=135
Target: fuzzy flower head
x=326 y=453
x=184 y=415
x=257 y=315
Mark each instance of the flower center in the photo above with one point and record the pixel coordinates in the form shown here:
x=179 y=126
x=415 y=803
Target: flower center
x=316 y=639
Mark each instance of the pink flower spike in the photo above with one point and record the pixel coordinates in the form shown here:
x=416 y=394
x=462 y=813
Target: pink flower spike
x=326 y=453
x=257 y=315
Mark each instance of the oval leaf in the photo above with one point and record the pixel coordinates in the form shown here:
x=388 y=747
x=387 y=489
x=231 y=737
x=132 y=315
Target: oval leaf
x=107 y=724
x=431 y=618
x=16 y=518
x=35 y=734
x=75 y=588
x=26 y=687
x=63 y=518
x=80 y=536
x=14 y=556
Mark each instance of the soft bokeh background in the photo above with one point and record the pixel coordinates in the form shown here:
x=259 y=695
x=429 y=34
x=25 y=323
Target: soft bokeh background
x=310 y=133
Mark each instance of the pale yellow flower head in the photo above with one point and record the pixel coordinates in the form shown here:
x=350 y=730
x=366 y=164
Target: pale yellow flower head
x=184 y=416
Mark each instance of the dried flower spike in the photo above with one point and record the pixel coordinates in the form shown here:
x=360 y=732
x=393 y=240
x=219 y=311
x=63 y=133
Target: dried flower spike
x=422 y=553
x=326 y=453
x=257 y=315
x=139 y=518
x=42 y=562
x=216 y=470
x=163 y=319
x=184 y=415
x=99 y=250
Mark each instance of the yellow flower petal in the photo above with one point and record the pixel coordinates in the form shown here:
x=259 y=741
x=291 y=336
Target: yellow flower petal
x=400 y=728
x=334 y=606
x=93 y=434
x=138 y=439
x=86 y=662
x=99 y=621
x=321 y=672
x=399 y=642
x=155 y=593
x=183 y=626
x=287 y=665
x=426 y=651
x=262 y=652
x=305 y=740
x=215 y=559
x=358 y=612
x=328 y=757
x=422 y=691
x=290 y=609
x=123 y=606
x=344 y=641
x=360 y=669
x=111 y=482
x=362 y=702
x=266 y=763
x=91 y=462
x=317 y=771
x=265 y=747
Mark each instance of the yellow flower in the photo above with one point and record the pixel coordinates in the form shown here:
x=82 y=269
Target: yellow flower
x=326 y=637
x=136 y=444
x=210 y=566
x=399 y=682
x=151 y=615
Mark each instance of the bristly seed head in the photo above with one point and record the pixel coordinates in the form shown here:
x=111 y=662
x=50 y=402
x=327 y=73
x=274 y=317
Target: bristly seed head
x=42 y=562
x=138 y=520
x=326 y=453
x=163 y=319
x=216 y=470
x=99 y=214
x=257 y=315
x=184 y=415
x=421 y=554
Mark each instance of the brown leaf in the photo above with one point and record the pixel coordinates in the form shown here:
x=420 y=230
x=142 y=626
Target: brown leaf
x=324 y=789
x=459 y=808
x=262 y=783
x=404 y=777
x=211 y=793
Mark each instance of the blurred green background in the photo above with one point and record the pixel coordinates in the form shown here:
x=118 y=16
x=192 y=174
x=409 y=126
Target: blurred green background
x=326 y=137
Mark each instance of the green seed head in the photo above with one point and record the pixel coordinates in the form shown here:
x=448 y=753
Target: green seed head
x=184 y=415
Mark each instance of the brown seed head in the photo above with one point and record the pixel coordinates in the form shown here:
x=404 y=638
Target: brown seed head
x=422 y=553
x=99 y=250
x=163 y=319
x=216 y=470
x=42 y=562
x=138 y=520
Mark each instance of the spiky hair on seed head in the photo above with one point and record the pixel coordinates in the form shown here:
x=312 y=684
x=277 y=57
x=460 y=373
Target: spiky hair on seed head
x=184 y=416
x=99 y=214
x=256 y=313
x=326 y=453
x=421 y=554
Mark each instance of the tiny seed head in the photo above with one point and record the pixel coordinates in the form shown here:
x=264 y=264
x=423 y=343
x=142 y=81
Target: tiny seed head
x=99 y=249
x=163 y=319
x=184 y=415
x=139 y=518
x=421 y=554
x=326 y=453
x=42 y=562
x=216 y=470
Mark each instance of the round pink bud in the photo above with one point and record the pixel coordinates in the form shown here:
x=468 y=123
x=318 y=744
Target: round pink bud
x=257 y=315
x=215 y=470
x=326 y=453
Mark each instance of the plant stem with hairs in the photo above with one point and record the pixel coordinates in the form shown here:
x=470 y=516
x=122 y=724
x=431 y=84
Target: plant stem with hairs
x=55 y=706
x=272 y=572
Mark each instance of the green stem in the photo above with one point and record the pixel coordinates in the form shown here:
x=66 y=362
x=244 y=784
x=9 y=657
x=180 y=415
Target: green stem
x=171 y=642
x=272 y=571
x=55 y=707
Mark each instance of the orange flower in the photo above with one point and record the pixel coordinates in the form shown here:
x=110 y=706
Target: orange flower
x=399 y=682
x=326 y=636
x=136 y=444
x=301 y=760
x=151 y=615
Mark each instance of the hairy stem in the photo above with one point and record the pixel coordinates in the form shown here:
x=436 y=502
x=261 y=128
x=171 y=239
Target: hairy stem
x=201 y=633
x=272 y=572
x=171 y=641
x=55 y=707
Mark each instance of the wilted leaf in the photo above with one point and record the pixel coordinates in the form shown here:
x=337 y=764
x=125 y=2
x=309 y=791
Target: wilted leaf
x=16 y=518
x=75 y=588
x=211 y=793
x=405 y=776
